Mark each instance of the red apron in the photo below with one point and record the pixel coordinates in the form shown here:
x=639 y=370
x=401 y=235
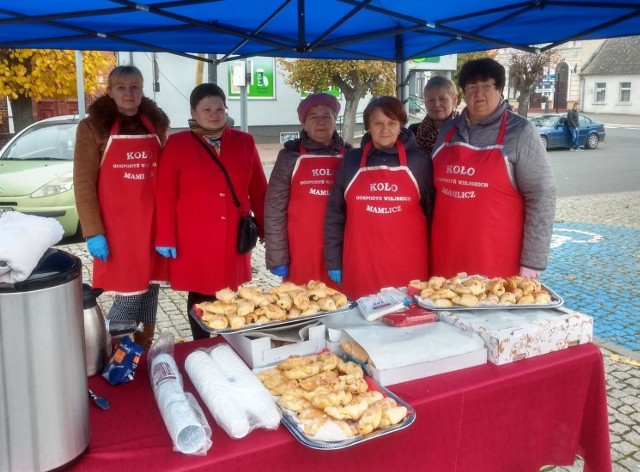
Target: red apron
x=126 y=192
x=386 y=235
x=311 y=185
x=478 y=218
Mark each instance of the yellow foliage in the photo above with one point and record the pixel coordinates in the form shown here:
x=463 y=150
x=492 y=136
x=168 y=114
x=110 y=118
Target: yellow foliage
x=50 y=73
x=316 y=75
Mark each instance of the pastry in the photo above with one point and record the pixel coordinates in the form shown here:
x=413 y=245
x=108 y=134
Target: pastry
x=327 y=304
x=356 y=351
x=507 y=298
x=217 y=322
x=442 y=302
x=466 y=299
x=226 y=295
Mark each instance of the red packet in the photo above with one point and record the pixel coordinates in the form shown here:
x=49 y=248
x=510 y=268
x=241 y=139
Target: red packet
x=413 y=315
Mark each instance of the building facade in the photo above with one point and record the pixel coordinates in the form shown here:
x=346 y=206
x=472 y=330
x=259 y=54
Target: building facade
x=610 y=79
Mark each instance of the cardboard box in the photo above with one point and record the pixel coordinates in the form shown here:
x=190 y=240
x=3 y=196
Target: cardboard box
x=515 y=334
x=427 y=369
x=257 y=351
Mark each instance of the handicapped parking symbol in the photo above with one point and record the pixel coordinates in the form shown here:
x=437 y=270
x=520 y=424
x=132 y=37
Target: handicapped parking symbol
x=562 y=236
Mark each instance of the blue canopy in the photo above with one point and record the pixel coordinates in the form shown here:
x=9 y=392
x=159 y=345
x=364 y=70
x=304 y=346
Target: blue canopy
x=394 y=30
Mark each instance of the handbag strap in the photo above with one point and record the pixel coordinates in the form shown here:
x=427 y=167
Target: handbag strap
x=207 y=148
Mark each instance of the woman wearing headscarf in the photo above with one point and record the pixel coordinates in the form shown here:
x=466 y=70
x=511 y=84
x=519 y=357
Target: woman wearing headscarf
x=298 y=191
x=440 y=99
x=114 y=178
x=197 y=216
x=377 y=224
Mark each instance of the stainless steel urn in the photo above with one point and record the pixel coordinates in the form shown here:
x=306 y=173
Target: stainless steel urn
x=97 y=344
x=44 y=408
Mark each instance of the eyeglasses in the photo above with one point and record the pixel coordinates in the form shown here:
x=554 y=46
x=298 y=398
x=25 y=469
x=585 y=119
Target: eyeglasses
x=474 y=88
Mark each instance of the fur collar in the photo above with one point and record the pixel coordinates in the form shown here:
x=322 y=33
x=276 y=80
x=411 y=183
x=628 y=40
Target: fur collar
x=103 y=112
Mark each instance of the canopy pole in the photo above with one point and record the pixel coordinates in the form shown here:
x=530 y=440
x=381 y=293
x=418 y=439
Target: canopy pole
x=244 y=125
x=402 y=84
x=80 y=84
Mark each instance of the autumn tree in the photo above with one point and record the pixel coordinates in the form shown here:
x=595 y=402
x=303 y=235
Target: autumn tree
x=354 y=78
x=525 y=72
x=37 y=74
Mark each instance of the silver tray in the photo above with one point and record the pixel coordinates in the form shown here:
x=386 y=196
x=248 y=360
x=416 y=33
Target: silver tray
x=291 y=425
x=271 y=324
x=556 y=301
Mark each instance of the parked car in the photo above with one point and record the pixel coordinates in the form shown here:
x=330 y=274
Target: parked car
x=555 y=133
x=36 y=171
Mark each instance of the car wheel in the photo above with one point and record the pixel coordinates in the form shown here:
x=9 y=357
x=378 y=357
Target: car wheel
x=592 y=141
x=545 y=141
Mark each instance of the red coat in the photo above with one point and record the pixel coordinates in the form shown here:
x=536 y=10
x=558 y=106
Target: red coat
x=196 y=214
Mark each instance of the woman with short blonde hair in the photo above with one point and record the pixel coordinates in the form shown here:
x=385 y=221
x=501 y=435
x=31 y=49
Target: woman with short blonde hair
x=441 y=99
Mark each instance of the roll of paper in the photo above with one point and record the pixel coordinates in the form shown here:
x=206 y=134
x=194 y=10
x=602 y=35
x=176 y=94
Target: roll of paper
x=186 y=431
x=220 y=398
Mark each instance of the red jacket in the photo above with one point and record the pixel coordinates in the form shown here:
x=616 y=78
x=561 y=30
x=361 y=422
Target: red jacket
x=196 y=214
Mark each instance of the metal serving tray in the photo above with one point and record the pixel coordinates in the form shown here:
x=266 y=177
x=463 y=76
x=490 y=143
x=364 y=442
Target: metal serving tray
x=291 y=424
x=271 y=324
x=556 y=301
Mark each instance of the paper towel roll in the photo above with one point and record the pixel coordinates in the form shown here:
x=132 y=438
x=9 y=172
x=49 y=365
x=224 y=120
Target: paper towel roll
x=217 y=394
x=258 y=402
x=186 y=431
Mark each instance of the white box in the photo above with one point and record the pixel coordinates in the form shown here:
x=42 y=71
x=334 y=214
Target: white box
x=427 y=369
x=515 y=334
x=257 y=352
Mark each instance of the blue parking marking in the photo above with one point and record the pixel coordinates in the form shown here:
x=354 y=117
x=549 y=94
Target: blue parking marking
x=595 y=269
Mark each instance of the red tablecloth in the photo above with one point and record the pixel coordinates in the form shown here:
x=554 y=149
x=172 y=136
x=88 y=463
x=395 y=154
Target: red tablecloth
x=513 y=418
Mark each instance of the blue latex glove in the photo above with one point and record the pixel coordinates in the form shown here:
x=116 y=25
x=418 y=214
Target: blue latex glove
x=336 y=275
x=166 y=251
x=281 y=271
x=97 y=246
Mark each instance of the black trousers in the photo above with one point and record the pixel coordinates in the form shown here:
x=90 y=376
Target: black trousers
x=192 y=298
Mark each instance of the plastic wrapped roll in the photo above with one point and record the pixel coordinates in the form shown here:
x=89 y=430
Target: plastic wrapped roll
x=219 y=396
x=184 y=427
x=257 y=400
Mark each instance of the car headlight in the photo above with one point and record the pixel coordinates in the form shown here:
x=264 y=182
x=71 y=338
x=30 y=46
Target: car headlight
x=60 y=184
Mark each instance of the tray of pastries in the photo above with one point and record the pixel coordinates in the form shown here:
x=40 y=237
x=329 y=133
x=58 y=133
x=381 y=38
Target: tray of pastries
x=477 y=292
x=251 y=308
x=330 y=403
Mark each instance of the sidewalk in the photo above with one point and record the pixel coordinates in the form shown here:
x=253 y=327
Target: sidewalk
x=622 y=366
x=268 y=152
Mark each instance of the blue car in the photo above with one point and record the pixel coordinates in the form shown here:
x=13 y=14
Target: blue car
x=555 y=133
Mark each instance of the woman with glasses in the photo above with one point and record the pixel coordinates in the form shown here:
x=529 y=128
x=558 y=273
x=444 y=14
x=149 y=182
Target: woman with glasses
x=441 y=99
x=495 y=189
x=114 y=180
x=197 y=216
x=298 y=191
x=376 y=228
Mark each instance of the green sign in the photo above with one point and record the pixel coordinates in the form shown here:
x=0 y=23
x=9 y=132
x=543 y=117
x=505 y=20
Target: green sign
x=262 y=80
x=426 y=59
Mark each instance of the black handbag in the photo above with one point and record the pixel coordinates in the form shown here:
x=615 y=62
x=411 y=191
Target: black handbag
x=248 y=226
